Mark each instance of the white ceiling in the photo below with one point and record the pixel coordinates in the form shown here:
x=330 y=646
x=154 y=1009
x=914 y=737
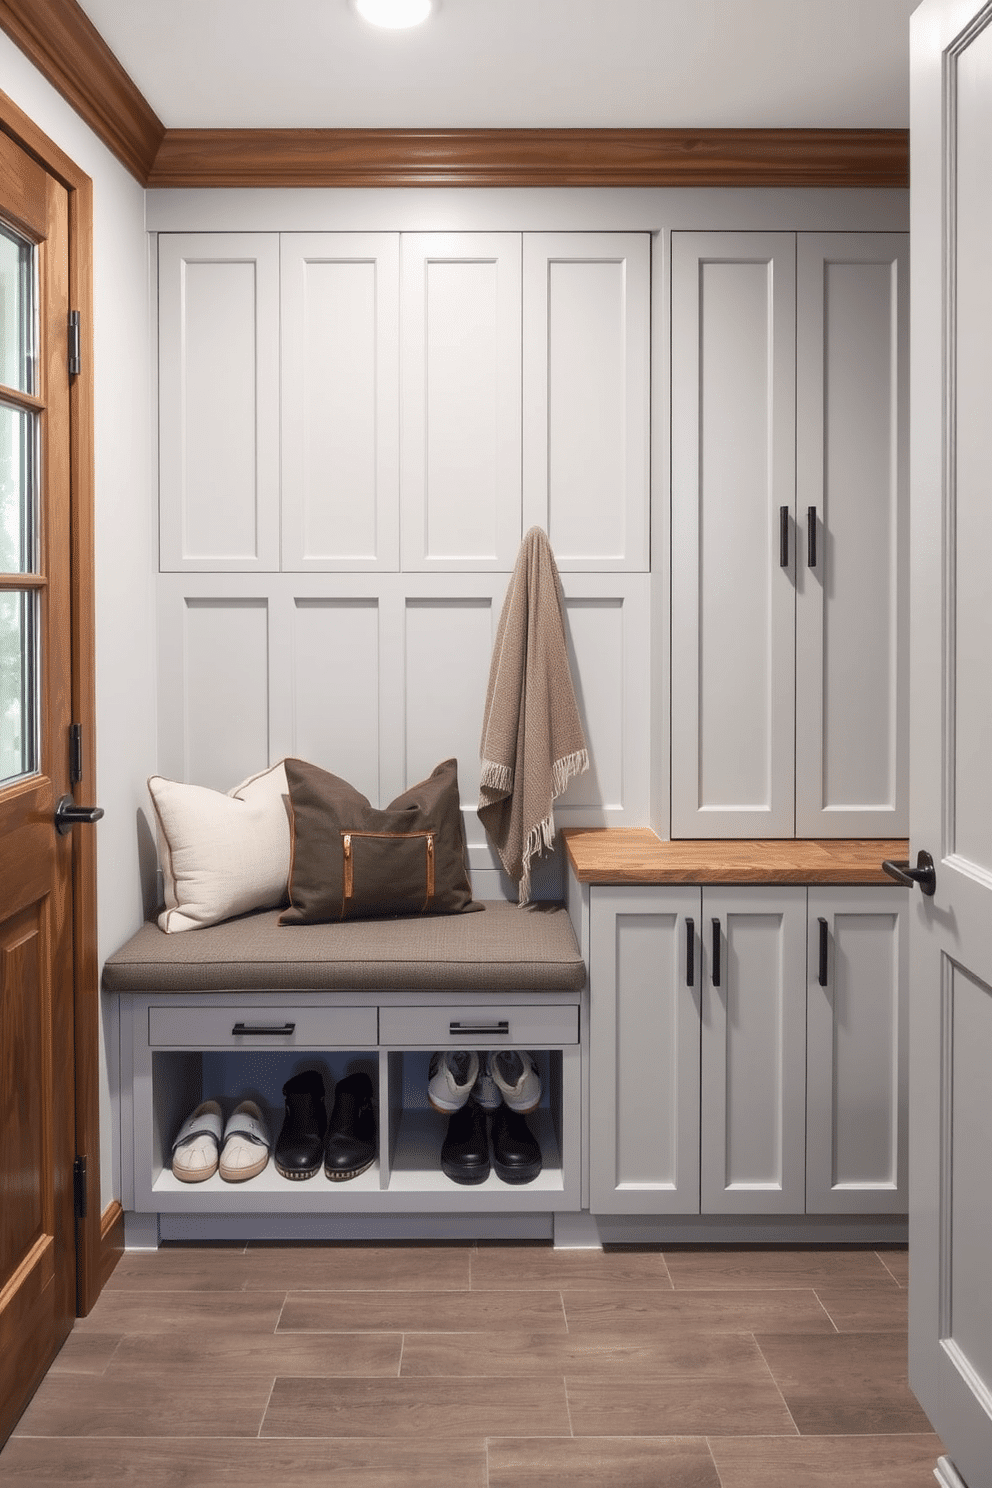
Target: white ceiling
x=504 y=63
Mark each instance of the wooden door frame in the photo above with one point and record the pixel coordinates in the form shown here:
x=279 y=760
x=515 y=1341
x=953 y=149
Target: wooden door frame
x=99 y=1238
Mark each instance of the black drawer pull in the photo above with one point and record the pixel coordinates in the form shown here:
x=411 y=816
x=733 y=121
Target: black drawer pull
x=263 y=1030
x=690 y=953
x=811 y=537
x=461 y=1029
x=783 y=536
x=716 y=953
x=822 y=977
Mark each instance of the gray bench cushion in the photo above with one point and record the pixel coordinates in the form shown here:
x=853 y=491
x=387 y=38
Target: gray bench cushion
x=502 y=948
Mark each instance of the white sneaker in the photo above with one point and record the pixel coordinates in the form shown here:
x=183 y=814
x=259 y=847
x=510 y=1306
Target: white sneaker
x=486 y=1092
x=517 y=1079
x=450 y=1078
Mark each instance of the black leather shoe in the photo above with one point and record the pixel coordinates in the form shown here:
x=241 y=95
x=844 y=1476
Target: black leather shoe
x=351 y=1141
x=465 y=1151
x=300 y=1147
x=516 y=1153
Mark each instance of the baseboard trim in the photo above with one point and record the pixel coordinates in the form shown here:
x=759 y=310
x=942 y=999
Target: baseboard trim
x=748 y=1229
x=111 y=1240
x=373 y=1227
x=946 y=1473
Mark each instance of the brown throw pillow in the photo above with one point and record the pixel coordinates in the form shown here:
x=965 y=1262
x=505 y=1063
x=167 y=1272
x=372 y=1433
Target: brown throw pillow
x=350 y=861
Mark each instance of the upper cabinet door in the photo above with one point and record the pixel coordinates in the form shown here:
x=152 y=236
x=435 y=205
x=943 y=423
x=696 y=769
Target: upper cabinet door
x=460 y=379
x=733 y=472
x=852 y=468
x=218 y=398
x=340 y=401
x=587 y=384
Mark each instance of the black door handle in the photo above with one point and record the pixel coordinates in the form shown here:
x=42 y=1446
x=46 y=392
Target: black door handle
x=68 y=814
x=822 y=969
x=811 y=537
x=783 y=536
x=690 y=953
x=716 y=953
x=925 y=874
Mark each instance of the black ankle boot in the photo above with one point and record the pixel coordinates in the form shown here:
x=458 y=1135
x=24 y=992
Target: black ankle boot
x=301 y=1142
x=351 y=1140
x=516 y=1152
x=465 y=1151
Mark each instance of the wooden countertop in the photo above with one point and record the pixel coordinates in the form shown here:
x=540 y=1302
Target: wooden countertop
x=635 y=855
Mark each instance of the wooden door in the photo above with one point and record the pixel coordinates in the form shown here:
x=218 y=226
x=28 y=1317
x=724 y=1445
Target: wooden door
x=37 y=1126
x=857 y=1051
x=733 y=476
x=852 y=579
x=753 y=1157
x=951 y=729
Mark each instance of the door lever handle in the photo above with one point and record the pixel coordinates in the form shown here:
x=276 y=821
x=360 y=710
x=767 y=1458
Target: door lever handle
x=68 y=814
x=925 y=874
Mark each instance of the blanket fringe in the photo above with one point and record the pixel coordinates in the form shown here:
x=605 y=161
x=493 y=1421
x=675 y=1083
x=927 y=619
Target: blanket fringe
x=564 y=769
x=496 y=777
x=539 y=840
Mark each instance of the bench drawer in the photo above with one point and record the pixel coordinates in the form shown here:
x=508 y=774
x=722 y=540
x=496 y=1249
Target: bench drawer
x=480 y=1027
x=278 y=1027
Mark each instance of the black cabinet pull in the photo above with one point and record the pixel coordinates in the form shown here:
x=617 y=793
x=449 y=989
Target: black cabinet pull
x=716 y=953
x=690 y=953
x=822 y=977
x=811 y=537
x=263 y=1030
x=500 y=1027
x=783 y=536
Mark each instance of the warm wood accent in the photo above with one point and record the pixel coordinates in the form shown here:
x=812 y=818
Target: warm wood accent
x=111 y=1240
x=67 y=49
x=24 y=182
x=532 y=157
x=635 y=855
x=26 y=1322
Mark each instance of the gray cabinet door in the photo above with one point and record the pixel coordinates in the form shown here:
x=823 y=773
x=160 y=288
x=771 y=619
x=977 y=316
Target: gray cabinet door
x=852 y=385
x=857 y=1052
x=644 y=1050
x=733 y=471
x=753 y=1156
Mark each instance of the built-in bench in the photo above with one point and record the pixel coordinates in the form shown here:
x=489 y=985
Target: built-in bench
x=232 y=1010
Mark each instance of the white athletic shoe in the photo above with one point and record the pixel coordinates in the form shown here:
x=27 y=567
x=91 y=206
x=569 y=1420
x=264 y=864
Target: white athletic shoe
x=450 y=1078
x=517 y=1079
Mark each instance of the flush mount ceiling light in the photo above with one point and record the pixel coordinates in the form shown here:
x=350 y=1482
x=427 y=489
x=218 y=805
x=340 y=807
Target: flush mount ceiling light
x=396 y=15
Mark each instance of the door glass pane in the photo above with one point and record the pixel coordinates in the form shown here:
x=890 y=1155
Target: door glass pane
x=18 y=312
x=18 y=673
x=18 y=490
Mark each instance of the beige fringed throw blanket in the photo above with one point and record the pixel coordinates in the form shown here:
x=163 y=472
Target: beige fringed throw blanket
x=532 y=739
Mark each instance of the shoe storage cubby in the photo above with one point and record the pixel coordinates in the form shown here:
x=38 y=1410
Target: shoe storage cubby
x=179 y=1051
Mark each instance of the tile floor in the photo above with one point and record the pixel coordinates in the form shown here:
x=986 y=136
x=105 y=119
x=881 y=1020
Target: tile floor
x=484 y=1366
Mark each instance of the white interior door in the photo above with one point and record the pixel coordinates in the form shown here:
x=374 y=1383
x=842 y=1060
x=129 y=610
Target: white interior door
x=951 y=721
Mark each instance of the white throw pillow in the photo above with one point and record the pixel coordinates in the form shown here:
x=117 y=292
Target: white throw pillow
x=222 y=855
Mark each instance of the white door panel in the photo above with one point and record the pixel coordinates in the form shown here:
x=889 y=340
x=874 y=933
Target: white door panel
x=951 y=719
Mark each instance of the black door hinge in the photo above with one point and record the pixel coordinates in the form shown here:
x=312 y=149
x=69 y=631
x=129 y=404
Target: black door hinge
x=79 y=1186
x=75 y=351
x=75 y=753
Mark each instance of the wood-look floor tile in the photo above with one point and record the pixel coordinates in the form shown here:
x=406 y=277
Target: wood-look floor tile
x=244 y=1352
x=896 y=1261
x=866 y=1309
x=351 y=1268
x=683 y=1406
x=85 y=1353
x=181 y=1312
x=601 y=1462
x=827 y=1462
x=773 y=1266
x=180 y=1268
x=678 y=1353
x=628 y=1313
x=240 y=1463
x=849 y=1384
x=160 y=1402
x=425 y=1409
x=422 y=1312
x=513 y=1267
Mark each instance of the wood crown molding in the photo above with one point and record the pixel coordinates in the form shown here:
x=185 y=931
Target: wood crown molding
x=63 y=44
x=532 y=157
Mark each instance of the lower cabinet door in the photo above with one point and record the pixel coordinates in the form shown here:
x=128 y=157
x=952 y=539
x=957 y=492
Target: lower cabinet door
x=753 y=1051
x=644 y=1042
x=857 y=1051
